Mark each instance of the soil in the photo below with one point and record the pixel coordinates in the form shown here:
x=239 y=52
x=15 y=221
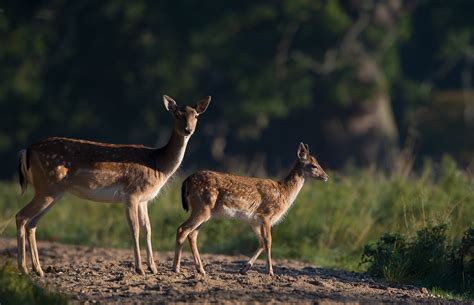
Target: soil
x=101 y=275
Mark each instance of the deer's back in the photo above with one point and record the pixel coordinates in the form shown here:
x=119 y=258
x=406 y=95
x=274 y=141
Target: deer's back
x=90 y=152
x=93 y=170
x=232 y=195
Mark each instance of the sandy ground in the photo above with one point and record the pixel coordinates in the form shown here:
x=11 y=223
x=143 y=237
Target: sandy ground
x=99 y=275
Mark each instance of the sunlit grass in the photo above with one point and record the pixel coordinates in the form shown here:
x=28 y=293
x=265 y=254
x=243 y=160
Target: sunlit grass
x=451 y=295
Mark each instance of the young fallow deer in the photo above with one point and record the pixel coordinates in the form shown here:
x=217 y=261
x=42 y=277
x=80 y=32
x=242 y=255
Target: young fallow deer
x=260 y=202
x=132 y=174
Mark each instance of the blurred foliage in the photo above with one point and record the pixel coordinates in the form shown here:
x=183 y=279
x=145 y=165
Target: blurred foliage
x=96 y=70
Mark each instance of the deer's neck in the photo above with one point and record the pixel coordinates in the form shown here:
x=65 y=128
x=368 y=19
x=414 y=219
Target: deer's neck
x=293 y=183
x=169 y=157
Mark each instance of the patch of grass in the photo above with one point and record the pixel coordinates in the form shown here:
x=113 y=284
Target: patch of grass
x=328 y=225
x=17 y=289
x=450 y=295
x=426 y=259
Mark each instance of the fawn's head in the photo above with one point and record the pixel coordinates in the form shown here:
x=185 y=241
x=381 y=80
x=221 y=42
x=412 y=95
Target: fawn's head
x=186 y=117
x=309 y=164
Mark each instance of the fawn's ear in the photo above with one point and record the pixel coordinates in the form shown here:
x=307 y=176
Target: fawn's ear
x=170 y=104
x=303 y=151
x=202 y=105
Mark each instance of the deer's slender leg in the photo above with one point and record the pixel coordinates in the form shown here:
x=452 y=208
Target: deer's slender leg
x=257 y=228
x=145 y=224
x=196 y=219
x=31 y=233
x=37 y=205
x=267 y=238
x=192 y=238
x=132 y=218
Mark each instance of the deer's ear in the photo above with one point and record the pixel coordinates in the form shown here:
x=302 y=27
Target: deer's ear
x=170 y=104
x=202 y=105
x=303 y=151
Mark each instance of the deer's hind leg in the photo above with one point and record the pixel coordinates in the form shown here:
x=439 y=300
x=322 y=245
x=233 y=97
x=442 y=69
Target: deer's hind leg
x=192 y=238
x=26 y=221
x=194 y=221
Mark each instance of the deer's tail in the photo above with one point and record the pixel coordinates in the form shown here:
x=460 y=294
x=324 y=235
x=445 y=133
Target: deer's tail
x=23 y=166
x=184 y=195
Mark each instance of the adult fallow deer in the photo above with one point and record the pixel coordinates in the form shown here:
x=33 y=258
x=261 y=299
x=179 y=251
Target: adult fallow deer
x=260 y=202
x=132 y=174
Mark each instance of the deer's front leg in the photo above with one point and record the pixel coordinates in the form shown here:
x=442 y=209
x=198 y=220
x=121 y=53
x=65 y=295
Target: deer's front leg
x=145 y=224
x=132 y=218
x=258 y=231
x=267 y=237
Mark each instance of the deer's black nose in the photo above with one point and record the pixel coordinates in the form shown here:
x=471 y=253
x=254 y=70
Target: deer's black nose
x=188 y=130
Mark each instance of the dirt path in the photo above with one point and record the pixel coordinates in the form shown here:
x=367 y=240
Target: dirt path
x=105 y=276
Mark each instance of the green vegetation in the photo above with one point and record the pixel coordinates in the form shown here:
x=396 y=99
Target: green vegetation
x=467 y=296
x=16 y=289
x=427 y=259
x=328 y=225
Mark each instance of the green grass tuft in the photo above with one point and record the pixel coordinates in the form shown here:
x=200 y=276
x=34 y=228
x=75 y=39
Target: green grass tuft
x=17 y=289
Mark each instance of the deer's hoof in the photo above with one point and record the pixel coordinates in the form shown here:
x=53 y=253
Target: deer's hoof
x=23 y=270
x=245 y=268
x=139 y=270
x=153 y=269
x=40 y=273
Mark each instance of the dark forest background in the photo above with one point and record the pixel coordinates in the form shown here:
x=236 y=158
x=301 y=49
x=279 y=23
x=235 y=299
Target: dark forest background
x=362 y=82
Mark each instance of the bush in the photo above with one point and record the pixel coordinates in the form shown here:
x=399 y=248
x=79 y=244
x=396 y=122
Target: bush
x=425 y=259
x=464 y=260
x=17 y=289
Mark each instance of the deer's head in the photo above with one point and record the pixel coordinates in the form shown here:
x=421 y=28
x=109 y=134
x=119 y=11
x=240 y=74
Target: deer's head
x=309 y=164
x=186 y=117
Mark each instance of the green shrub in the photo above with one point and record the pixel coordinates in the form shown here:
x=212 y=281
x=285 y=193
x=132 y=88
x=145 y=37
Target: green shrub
x=463 y=260
x=425 y=259
x=17 y=289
